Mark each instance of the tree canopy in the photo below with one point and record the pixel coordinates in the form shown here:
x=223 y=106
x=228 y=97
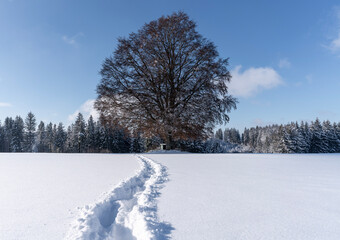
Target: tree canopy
x=166 y=80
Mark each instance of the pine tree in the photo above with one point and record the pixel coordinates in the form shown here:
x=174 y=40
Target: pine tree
x=330 y=137
x=245 y=137
x=337 y=131
x=41 y=138
x=137 y=143
x=282 y=143
x=69 y=140
x=91 y=144
x=60 y=138
x=318 y=143
x=18 y=135
x=102 y=138
x=79 y=133
x=120 y=141
x=49 y=137
x=219 y=134
x=8 y=131
x=2 y=138
x=30 y=125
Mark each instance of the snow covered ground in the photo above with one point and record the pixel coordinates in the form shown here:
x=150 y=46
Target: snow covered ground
x=169 y=196
x=251 y=196
x=40 y=193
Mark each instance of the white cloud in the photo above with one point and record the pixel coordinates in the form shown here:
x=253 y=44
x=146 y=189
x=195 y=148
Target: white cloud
x=253 y=80
x=284 y=63
x=86 y=109
x=334 y=44
x=72 y=40
x=4 y=104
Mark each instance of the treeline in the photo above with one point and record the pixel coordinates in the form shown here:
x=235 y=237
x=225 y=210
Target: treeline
x=25 y=135
x=90 y=136
x=314 y=137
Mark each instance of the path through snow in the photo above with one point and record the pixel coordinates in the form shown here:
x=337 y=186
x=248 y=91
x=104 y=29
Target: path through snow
x=128 y=212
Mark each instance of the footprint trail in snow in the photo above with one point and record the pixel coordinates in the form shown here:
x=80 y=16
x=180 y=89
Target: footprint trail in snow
x=128 y=212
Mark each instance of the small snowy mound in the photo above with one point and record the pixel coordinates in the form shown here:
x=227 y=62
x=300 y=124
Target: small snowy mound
x=129 y=211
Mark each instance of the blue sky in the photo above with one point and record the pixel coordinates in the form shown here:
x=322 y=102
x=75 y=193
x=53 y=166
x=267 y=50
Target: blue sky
x=284 y=55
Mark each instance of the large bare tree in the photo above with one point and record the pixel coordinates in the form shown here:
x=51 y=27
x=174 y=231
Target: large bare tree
x=166 y=80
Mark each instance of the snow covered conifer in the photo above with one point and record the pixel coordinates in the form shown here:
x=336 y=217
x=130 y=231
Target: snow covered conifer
x=330 y=137
x=60 y=138
x=30 y=125
x=2 y=138
x=49 y=137
x=18 y=135
x=137 y=143
x=318 y=143
x=80 y=133
x=219 y=134
x=41 y=137
x=91 y=143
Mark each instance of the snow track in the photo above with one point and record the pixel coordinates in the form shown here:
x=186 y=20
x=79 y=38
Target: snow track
x=128 y=212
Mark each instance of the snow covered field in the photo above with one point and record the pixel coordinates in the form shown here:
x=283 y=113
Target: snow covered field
x=40 y=193
x=251 y=196
x=169 y=196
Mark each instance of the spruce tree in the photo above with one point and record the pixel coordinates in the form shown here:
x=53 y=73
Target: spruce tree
x=79 y=133
x=60 y=138
x=318 y=143
x=18 y=135
x=91 y=135
x=41 y=138
x=30 y=125
x=49 y=137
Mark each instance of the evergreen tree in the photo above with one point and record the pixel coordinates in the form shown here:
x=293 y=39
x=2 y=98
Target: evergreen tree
x=137 y=143
x=91 y=143
x=18 y=135
x=8 y=131
x=79 y=133
x=49 y=137
x=337 y=131
x=282 y=140
x=120 y=141
x=70 y=140
x=330 y=137
x=2 y=138
x=219 y=134
x=41 y=138
x=318 y=143
x=30 y=125
x=60 y=138
x=102 y=138
x=245 y=137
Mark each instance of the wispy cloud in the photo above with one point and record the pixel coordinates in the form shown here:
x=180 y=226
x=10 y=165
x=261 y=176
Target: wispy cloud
x=5 y=104
x=284 y=63
x=334 y=46
x=253 y=80
x=86 y=109
x=73 y=39
x=334 y=43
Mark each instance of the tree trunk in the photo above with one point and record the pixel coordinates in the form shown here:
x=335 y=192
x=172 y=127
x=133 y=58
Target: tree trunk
x=169 y=142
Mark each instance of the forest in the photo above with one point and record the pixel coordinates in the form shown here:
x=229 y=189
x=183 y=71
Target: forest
x=90 y=136
x=314 y=137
